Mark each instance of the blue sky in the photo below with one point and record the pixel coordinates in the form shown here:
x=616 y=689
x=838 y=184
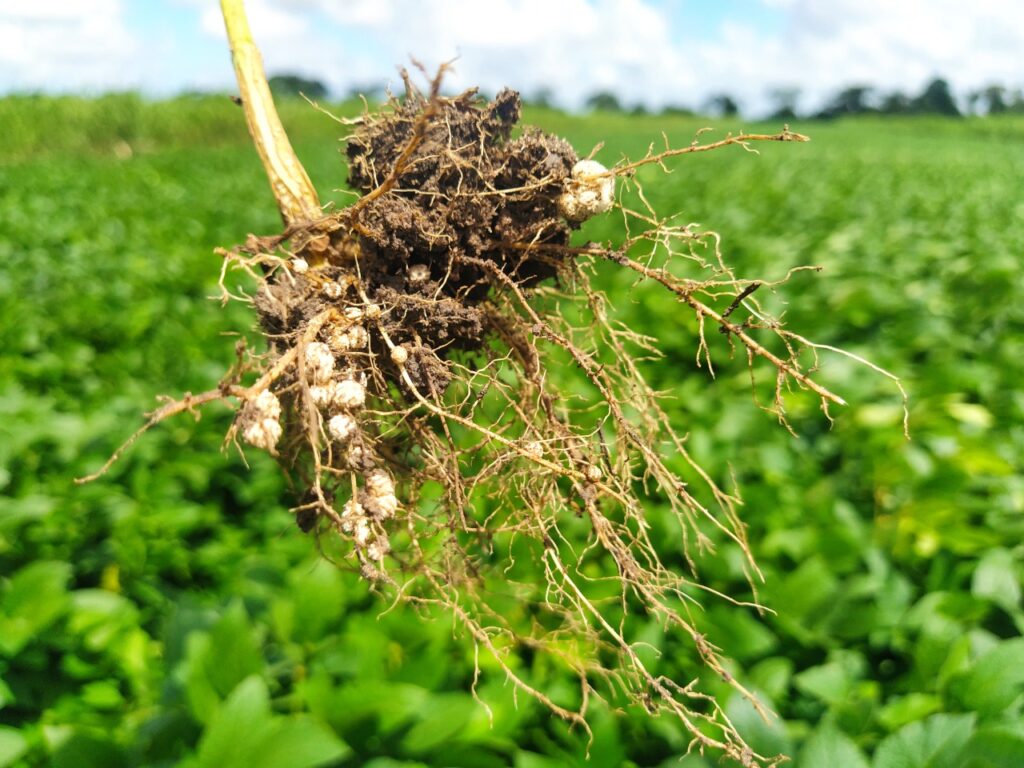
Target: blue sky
x=655 y=52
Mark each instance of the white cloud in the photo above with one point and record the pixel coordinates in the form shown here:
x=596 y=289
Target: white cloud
x=67 y=44
x=573 y=47
x=632 y=47
x=889 y=45
x=651 y=51
x=290 y=41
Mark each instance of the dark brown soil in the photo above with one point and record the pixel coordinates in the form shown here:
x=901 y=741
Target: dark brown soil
x=466 y=187
x=444 y=186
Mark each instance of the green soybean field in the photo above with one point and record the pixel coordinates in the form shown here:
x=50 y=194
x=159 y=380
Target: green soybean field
x=171 y=613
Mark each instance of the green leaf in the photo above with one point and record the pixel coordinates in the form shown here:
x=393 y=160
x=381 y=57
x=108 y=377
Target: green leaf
x=772 y=676
x=533 y=760
x=12 y=745
x=900 y=710
x=98 y=616
x=317 y=599
x=34 y=598
x=995 y=579
x=77 y=748
x=26 y=509
x=101 y=694
x=444 y=716
x=84 y=750
x=299 y=742
x=834 y=681
x=805 y=590
x=972 y=414
x=998 y=746
x=828 y=746
x=934 y=743
x=245 y=734
x=203 y=699
x=347 y=706
x=994 y=681
x=230 y=738
x=767 y=738
x=234 y=653
x=744 y=636
x=218 y=660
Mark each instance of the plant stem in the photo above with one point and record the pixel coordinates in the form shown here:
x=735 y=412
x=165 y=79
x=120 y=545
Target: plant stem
x=296 y=198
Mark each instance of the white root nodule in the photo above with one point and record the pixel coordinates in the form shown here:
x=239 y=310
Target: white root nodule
x=379 y=483
x=319 y=362
x=588 y=192
x=341 y=427
x=382 y=507
x=349 y=394
x=260 y=421
x=349 y=339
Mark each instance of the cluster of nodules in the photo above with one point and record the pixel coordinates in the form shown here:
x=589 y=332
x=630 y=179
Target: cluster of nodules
x=337 y=392
x=337 y=389
x=363 y=517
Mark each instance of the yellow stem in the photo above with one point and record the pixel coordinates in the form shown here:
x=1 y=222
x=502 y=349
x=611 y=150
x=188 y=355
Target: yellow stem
x=294 y=192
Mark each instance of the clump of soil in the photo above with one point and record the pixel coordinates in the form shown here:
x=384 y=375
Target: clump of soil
x=459 y=189
x=467 y=188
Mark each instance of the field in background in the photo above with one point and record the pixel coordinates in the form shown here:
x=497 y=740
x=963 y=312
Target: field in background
x=172 y=613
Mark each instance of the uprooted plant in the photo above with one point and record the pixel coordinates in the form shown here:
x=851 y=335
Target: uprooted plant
x=411 y=339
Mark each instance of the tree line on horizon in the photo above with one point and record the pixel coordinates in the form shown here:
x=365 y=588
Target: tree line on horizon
x=936 y=98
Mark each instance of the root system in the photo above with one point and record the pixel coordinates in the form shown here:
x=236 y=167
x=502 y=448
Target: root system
x=414 y=388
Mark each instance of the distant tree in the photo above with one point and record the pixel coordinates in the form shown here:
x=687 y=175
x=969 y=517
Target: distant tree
x=291 y=86
x=852 y=100
x=723 y=104
x=677 y=109
x=994 y=97
x=936 y=99
x=371 y=91
x=895 y=103
x=604 y=101
x=1015 y=102
x=638 y=109
x=196 y=94
x=542 y=97
x=785 y=100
